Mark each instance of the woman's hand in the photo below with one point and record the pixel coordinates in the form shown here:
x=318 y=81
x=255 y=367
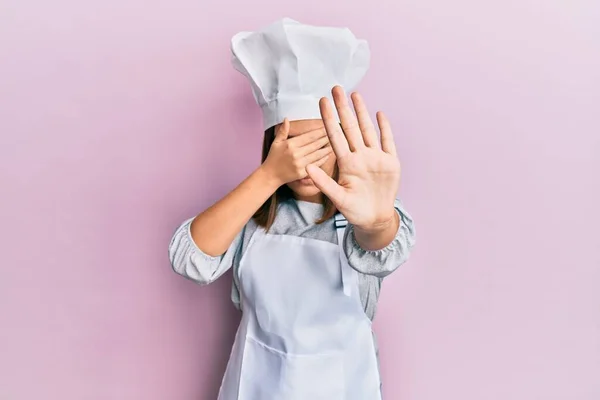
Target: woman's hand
x=288 y=158
x=369 y=170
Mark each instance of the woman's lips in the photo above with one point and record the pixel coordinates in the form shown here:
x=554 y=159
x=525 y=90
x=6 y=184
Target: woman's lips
x=305 y=181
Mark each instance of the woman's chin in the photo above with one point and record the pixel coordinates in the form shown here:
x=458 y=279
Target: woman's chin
x=304 y=188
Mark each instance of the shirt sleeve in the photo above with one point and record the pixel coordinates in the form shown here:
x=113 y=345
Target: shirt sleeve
x=382 y=262
x=190 y=262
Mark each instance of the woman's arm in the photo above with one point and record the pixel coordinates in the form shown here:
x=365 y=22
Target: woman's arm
x=369 y=177
x=214 y=230
x=379 y=236
x=382 y=261
x=204 y=247
x=192 y=263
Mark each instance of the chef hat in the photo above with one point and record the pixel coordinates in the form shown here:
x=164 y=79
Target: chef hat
x=292 y=65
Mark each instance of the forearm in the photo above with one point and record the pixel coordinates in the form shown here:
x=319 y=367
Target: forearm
x=386 y=260
x=214 y=230
x=377 y=237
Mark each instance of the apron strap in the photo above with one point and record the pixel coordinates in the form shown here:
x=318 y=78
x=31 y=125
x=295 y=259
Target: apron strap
x=258 y=234
x=346 y=270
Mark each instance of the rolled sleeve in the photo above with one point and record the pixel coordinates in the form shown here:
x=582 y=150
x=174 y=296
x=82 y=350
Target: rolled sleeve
x=382 y=262
x=190 y=262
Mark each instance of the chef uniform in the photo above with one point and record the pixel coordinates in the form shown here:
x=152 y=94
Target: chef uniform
x=304 y=334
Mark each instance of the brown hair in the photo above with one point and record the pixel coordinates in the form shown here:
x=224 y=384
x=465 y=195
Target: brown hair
x=265 y=216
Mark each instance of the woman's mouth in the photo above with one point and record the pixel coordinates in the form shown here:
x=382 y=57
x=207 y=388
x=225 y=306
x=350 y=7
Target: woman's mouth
x=306 y=181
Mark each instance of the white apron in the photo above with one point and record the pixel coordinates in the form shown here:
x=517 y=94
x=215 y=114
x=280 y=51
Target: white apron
x=304 y=334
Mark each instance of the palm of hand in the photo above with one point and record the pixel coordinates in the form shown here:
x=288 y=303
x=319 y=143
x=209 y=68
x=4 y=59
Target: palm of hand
x=369 y=170
x=370 y=180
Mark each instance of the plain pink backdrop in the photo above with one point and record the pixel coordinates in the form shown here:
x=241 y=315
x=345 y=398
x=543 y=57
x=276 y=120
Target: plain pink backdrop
x=120 y=118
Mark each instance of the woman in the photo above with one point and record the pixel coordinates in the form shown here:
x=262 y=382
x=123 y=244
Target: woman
x=312 y=232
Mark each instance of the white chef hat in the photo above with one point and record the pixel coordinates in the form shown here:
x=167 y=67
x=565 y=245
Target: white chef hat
x=292 y=65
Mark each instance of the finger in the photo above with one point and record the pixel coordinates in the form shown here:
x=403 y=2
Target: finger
x=308 y=137
x=365 y=124
x=347 y=119
x=314 y=146
x=334 y=131
x=387 y=139
x=317 y=155
x=317 y=163
x=321 y=161
x=326 y=184
x=282 y=131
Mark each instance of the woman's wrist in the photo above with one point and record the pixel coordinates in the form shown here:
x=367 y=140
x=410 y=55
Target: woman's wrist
x=378 y=236
x=380 y=224
x=268 y=178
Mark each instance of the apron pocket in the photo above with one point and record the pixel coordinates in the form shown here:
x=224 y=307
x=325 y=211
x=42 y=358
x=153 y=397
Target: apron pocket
x=269 y=374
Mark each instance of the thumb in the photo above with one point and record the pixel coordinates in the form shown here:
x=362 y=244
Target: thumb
x=326 y=184
x=282 y=131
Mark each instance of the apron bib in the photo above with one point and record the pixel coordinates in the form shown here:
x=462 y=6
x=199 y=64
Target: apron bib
x=304 y=334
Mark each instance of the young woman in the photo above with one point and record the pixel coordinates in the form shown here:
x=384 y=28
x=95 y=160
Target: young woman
x=310 y=233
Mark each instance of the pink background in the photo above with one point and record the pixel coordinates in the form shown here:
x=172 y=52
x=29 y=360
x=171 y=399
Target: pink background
x=120 y=118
